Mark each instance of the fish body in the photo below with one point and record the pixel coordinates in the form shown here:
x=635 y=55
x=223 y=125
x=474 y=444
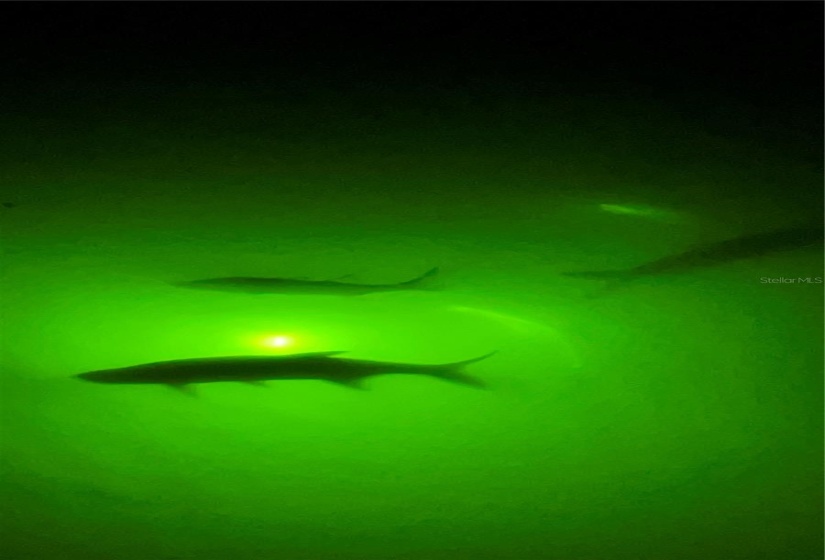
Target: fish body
x=325 y=366
x=263 y=285
x=715 y=254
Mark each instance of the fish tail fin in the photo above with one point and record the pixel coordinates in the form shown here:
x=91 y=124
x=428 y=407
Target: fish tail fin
x=453 y=372
x=420 y=279
x=430 y=273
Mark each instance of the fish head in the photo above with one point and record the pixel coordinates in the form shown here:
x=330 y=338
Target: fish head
x=92 y=376
x=123 y=375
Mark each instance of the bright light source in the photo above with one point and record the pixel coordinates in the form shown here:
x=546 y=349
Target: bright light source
x=280 y=341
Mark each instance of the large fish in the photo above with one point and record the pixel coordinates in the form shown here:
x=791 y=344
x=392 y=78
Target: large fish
x=325 y=366
x=714 y=254
x=262 y=285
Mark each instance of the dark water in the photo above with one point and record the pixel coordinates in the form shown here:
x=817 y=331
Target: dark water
x=679 y=418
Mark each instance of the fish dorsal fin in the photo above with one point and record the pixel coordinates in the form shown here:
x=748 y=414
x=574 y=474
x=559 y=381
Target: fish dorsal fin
x=314 y=354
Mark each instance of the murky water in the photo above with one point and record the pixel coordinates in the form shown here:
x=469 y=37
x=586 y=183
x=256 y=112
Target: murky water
x=675 y=418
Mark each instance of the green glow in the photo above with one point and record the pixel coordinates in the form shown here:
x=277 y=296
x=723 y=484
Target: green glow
x=279 y=341
x=643 y=211
x=517 y=323
x=676 y=419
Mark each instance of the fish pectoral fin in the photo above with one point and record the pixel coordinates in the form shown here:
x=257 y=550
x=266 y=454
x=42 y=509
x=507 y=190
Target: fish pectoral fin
x=184 y=388
x=351 y=382
x=256 y=383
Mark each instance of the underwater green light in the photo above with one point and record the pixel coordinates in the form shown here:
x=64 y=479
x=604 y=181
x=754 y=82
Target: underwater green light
x=279 y=341
x=643 y=211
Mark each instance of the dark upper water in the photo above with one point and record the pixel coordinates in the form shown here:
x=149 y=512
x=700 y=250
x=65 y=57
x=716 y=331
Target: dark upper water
x=676 y=418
